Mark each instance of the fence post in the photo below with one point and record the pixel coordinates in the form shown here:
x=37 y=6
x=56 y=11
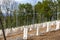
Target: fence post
x=57 y=25
x=25 y=33
x=48 y=24
x=30 y=28
x=37 y=31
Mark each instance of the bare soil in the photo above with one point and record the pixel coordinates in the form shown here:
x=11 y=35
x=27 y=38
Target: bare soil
x=53 y=35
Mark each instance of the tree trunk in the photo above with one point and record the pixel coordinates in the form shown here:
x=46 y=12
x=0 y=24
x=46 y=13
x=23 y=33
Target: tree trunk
x=2 y=29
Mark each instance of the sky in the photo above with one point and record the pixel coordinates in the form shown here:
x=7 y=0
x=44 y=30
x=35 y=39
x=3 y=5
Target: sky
x=33 y=2
x=28 y=1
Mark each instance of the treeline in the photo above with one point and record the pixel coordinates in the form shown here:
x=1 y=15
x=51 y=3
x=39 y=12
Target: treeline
x=47 y=10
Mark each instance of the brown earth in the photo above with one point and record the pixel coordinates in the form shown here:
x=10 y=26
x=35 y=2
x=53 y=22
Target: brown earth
x=53 y=35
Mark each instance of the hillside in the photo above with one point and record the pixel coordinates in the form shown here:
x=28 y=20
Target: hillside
x=53 y=35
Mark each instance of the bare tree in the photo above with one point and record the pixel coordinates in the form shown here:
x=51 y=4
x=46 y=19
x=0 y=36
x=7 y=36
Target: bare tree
x=7 y=5
x=1 y=23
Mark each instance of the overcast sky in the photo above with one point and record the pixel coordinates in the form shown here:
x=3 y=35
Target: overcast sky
x=28 y=1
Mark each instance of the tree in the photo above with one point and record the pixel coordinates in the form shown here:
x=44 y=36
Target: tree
x=14 y=19
x=58 y=9
x=25 y=14
x=44 y=9
x=8 y=19
x=1 y=24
